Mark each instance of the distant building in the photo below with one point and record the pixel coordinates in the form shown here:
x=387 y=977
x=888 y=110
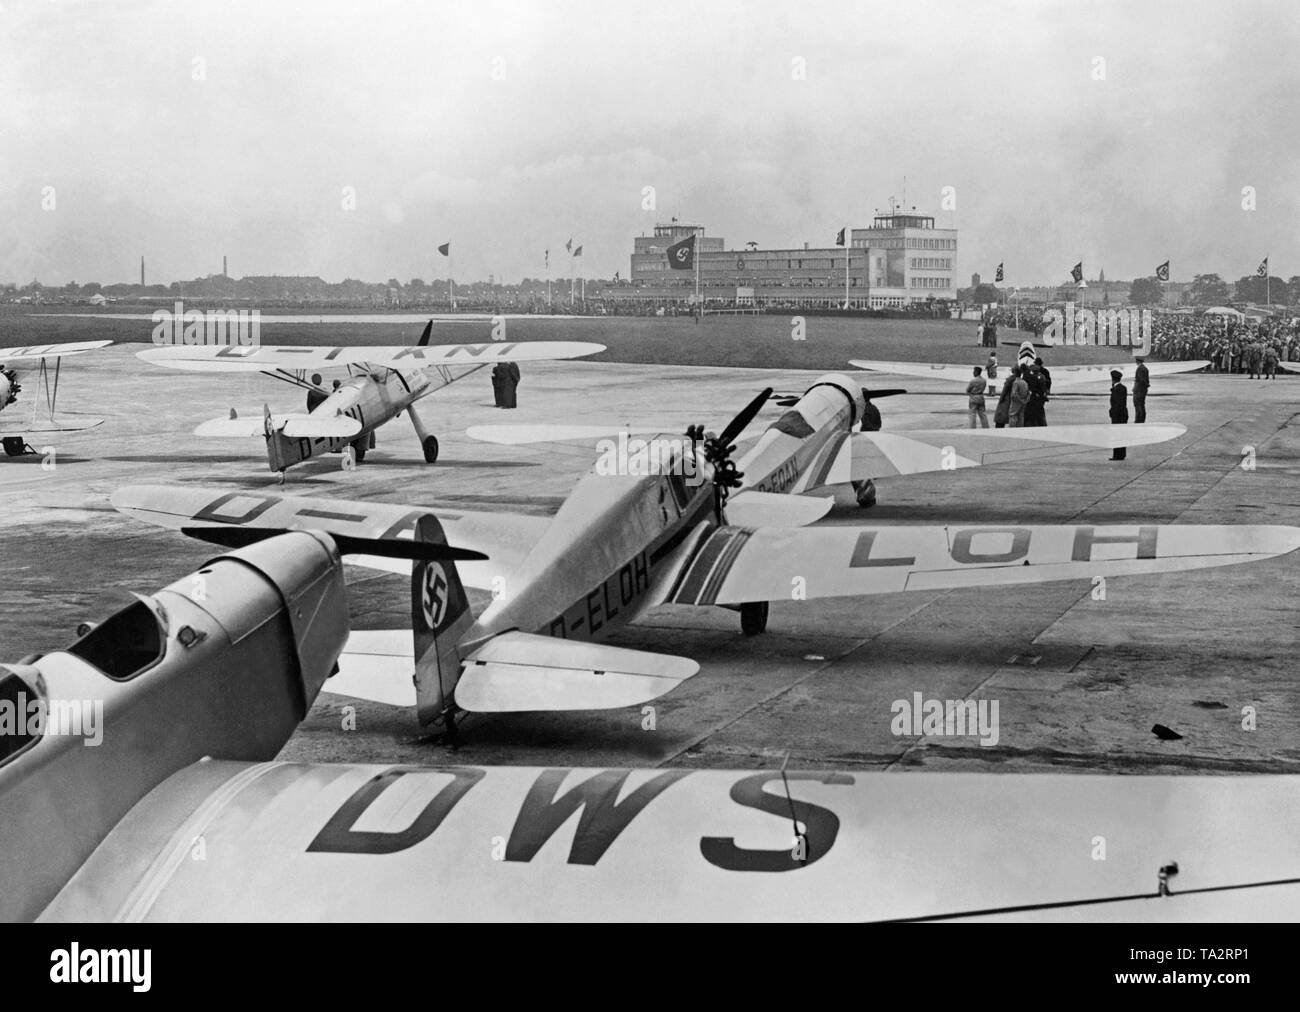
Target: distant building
x=901 y=260
x=911 y=260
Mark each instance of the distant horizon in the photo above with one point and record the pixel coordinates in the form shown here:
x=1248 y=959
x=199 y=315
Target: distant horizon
x=555 y=280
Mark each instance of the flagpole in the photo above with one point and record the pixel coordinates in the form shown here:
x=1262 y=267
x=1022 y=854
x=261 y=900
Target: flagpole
x=1267 y=300
x=451 y=270
x=699 y=246
x=846 y=267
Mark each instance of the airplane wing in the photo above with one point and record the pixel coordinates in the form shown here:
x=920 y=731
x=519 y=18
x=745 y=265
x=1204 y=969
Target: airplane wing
x=208 y=358
x=883 y=454
x=926 y=370
x=8 y=355
x=506 y=538
x=1072 y=375
x=376 y=664
x=311 y=842
x=748 y=508
x=520 y=435
x=63 y=424
x=860 y=456
x=738 y=564
x=1062 y=375
x=513 y=672
x=295 y=426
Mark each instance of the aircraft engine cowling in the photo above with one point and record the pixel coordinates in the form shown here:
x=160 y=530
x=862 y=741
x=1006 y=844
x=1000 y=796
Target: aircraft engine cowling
x=851 y=390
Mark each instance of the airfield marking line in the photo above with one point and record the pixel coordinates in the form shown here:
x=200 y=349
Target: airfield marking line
x=1143 y=473
x=1086 y=594
x=1285 y=423
x=777 y=693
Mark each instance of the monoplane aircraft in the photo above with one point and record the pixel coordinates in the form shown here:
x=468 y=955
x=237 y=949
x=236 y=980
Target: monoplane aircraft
x=182 y=796
x=41 y=420
x=831 y=436
x=674 y=533
x=381 y=383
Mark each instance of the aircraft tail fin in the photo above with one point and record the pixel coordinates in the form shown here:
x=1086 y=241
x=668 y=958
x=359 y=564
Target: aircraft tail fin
x=440 y=617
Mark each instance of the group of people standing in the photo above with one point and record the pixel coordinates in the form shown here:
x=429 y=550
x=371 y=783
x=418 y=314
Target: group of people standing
x=1119 y=400
x=1023 y=401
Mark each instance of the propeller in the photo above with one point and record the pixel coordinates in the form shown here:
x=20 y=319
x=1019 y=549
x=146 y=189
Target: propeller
x=887 y=392
x=237 y=537
x=719 y=448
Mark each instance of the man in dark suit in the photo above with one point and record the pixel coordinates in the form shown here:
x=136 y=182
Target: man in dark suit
x=1141 y=384
x=1118 y=408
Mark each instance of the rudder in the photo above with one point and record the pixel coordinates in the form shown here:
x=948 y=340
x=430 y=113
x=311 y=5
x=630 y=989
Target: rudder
x=440 y=617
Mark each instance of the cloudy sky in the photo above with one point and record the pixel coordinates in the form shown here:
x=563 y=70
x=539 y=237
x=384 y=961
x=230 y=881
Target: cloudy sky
x=1117 y=133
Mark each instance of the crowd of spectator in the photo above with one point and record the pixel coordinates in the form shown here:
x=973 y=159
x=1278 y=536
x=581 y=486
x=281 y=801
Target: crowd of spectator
x=1229 y=344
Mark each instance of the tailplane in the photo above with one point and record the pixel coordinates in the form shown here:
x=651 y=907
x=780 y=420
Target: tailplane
x=440 y=617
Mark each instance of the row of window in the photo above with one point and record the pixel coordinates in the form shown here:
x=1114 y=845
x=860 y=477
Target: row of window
x=931 y=264
x=909 y=243
x=932 y=282
x=754 y=264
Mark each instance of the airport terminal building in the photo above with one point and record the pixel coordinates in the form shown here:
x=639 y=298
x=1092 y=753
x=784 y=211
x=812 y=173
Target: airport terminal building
x=899 y=261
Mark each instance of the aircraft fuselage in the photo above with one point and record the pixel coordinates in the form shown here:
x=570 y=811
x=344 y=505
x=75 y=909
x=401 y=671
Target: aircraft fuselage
x=802 y=437
x=612 y=551
x=371 y=399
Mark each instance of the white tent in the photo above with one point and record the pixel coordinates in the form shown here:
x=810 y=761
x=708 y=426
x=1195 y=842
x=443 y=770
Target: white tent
x=1226 y=311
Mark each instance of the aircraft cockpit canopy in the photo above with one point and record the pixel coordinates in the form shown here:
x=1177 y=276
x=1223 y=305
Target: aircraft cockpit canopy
x=126 y=644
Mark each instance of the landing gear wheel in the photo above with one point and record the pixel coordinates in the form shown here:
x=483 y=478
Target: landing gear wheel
x=866 y=493
x=430 y=449
x=349 y=458
x=753 y=617
x=360 y=447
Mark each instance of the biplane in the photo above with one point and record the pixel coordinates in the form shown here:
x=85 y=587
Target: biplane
x=18 y=425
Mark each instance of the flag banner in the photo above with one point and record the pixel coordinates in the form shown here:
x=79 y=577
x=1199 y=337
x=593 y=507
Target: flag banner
x=1263 y=268
x=839 y=238
x=616 y=275
x=740 y=263
x=445 y=249
x=568 y=246
x=681 y=255
x=548 y=258
x=578 y=252
x=1162 y=272
x=998 y=276
x=1077 y=271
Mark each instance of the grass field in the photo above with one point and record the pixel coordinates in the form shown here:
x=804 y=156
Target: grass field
x=763 y=342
